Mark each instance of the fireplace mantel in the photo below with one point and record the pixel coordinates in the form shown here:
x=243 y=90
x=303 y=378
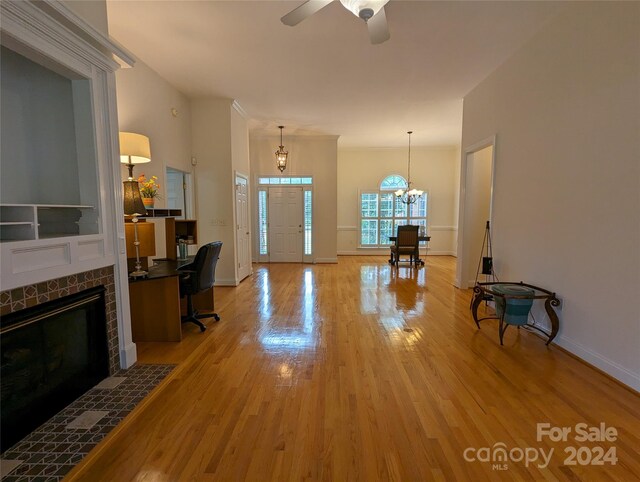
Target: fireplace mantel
x=50 y=35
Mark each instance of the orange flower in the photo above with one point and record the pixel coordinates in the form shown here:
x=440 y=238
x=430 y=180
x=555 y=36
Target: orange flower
x=148 y=188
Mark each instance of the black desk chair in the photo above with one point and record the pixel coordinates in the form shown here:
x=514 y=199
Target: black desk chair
x=199 y=276
x=406 y=244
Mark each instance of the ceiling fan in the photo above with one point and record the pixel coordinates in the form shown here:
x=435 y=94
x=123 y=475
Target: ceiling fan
x=371 y=11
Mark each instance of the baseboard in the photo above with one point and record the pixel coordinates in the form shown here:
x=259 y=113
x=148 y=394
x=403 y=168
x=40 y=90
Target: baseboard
x=368 y=252
x=385 y=252
x=443 y=228
x=325 y=260
x=128 y=356
x=615 y=370
x=226 y=282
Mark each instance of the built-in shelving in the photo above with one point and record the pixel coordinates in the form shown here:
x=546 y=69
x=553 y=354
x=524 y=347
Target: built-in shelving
x=24 y=222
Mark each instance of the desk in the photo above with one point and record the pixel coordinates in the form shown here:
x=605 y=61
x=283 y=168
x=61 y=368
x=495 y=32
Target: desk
x=156 y=308
x=421 y=239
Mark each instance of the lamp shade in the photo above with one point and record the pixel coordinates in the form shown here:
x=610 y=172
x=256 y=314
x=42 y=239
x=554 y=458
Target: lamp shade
x=134 y=148
x=133 y=205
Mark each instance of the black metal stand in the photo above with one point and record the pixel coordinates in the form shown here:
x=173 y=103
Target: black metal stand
x=486 y=263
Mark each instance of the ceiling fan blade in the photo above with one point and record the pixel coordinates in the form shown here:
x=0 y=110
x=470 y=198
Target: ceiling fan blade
x=308 y=8
x=378 y=28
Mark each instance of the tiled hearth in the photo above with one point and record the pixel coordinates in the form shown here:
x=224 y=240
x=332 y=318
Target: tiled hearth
x=53 y=449
x=27 y=296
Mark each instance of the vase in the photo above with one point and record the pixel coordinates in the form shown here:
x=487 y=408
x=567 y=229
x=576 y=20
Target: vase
x=148 y=202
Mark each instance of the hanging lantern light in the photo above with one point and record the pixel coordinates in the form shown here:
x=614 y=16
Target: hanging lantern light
x=281 y=154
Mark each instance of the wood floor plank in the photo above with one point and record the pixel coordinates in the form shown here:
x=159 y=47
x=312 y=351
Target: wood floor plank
x=360 y=372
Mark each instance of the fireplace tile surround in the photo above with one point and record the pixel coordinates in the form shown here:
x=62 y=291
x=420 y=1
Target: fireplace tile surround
x=31 y=295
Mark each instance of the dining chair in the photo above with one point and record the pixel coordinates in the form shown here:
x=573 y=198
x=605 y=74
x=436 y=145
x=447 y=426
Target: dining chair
x=406 y=244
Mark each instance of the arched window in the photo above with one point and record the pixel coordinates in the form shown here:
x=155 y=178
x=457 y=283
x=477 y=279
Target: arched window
x=393 y=183
x=381 y=212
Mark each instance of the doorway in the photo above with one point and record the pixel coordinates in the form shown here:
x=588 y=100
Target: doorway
x=178 y=192
x=285 y=224
x=242 y=226
x=476 y=199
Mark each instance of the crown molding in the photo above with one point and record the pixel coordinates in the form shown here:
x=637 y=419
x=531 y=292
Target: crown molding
x=240 y=110
x=262 y=136
x=84 y=29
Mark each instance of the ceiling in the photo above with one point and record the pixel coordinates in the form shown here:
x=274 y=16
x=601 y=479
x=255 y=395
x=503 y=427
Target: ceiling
x=323 y=76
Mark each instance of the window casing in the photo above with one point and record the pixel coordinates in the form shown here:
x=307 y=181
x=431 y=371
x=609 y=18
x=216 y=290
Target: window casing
x=381 y=212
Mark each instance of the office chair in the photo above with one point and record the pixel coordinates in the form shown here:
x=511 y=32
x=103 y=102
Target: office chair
x=199 y=276
x=406 y=243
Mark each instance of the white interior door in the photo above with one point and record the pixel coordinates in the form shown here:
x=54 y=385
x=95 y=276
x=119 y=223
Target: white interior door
x=285 y=224
x=242 y=227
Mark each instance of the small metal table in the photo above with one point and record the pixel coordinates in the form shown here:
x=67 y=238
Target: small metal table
x=483 y=291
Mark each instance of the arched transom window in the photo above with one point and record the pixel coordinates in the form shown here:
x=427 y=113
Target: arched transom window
x=393 y=183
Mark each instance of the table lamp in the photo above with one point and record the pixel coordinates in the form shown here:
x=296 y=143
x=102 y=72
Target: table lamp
x=134 y=207
x=134 y=149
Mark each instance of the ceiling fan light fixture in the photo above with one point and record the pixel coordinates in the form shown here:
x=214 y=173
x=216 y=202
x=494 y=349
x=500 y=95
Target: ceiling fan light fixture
x=281 y=154
x=365 y=9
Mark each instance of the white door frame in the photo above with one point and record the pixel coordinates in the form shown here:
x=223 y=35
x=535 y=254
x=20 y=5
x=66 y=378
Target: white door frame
x=460 y=282
x=238 y=174
x=257 y=188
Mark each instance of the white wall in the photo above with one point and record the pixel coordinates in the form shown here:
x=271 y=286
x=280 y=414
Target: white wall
x=566 y=112
x=240 y=164
x=211 y=143
x=39 y=157
x=92 y=11
x=432 y=169
x=145 y=101
x=239 y=142
x=308 y=156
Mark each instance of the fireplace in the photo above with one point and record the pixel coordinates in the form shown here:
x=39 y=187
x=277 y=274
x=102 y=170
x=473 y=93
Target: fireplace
x=51 y=354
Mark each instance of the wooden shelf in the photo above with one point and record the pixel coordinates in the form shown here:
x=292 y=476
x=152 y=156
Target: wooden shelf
x=176 y=229
x=162 y=213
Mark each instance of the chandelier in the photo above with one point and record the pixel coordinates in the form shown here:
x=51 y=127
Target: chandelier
x=281 y=154
x=409 y=195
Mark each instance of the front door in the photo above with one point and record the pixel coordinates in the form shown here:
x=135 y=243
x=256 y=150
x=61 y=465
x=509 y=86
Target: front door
x=242 y=228
x=285 y=224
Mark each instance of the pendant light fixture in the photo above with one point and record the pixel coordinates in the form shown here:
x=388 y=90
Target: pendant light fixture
x=409 y=195
x=281 y=154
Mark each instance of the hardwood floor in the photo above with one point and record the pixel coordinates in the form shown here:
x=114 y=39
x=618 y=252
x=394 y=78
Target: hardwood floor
x=358 y=372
